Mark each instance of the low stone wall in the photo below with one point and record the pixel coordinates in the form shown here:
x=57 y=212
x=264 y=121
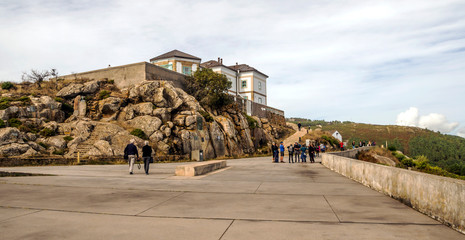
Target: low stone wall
x=201 y=168
x=438 y=197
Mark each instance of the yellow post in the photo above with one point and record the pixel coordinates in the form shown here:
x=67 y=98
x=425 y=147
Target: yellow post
x=78 y=159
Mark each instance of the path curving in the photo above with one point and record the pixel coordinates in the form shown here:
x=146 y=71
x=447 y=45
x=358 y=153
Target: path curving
x=294 y=137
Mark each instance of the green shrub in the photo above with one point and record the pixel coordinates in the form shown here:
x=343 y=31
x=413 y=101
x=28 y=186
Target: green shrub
x=68 y=138
x=392 y=148
x=44 y=145
x=59 y=152
x=421 y=162
x=407 y=162
x=5 y=102
x=59 y=99
x=206 y=115
x=111 y=81
x=14 y=122
x=399 y=156
x=139 y=133
x=68 y=109
x=103 y=94
x=24 y=128
x=251 y=121
x=2 y=124
x=7 y=85
x=331 y=140
x=25 y=100
x=47 y=132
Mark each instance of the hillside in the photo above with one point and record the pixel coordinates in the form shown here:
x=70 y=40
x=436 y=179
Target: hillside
x=442 y=150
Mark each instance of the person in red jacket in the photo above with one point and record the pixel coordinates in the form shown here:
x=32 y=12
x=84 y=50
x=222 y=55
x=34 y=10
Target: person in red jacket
x=342 y=146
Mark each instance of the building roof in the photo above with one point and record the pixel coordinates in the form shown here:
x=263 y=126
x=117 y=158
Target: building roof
x=245 y=68
x=213 y=63
x=175 y=53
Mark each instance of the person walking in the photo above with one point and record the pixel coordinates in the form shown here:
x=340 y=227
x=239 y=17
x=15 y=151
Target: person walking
x=281 y=150
x=303 y=149
x=132 y=154
x=274 y=150
x=290 y=148
x=299 y=125
x=341 y=146
x=353 y=144
x=297 y=151
x=146 y=155
x=317 y=149
x=311 y=153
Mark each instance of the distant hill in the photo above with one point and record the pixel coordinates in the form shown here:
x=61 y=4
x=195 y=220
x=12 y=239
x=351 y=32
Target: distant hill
x=442 y=150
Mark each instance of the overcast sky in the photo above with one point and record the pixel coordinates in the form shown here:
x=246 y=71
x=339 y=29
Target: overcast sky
x=381 y=62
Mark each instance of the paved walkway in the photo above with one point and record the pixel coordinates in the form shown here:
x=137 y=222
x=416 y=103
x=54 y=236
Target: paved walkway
x=252 y=199
x=294 y=137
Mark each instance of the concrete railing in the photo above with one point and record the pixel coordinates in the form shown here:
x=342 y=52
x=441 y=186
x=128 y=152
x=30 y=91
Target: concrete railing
x=438 y=197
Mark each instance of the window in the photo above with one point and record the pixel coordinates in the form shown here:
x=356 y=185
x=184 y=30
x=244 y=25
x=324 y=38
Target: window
x=167 y=66
x=245 y=97
x=259 y=85
x=187 y=70
x=244 y=83
x=259 y=99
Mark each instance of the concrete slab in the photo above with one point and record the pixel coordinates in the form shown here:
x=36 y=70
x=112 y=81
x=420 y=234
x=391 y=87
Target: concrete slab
x=270 y=230
x=375 y=209
x=246 y=206
x=78 y=199
x=65 y=225
x=262 y=201
x=8 y=213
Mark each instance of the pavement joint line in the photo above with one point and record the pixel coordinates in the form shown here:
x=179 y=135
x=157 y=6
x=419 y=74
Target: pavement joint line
x=258 y=188
x=156 y=205
x=219 y=218
x=22 y=215
x=227 y=229
x=331 y=208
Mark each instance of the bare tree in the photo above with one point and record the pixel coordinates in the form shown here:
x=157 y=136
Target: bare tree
x=36 y=76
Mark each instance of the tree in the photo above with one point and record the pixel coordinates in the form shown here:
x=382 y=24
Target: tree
x=209 y=88
x=36 y=76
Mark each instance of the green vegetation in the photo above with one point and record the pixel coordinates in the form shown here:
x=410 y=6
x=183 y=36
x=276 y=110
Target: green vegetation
x=59 y=99
x=2 y=124
x=206 y=116
x=104 y=94
x=47 y=132
x=68 y=109
x=331 y=140
x=209 y=88
x=251 y=121
x=7 y=85
x=68 y=138
x=14 y=122
x=139 y=133
x=5 y=103
x=44 y=145
x=422 y=164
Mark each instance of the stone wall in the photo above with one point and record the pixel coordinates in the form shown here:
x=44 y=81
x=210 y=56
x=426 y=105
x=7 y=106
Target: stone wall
x=131 y=74
x=438 y=197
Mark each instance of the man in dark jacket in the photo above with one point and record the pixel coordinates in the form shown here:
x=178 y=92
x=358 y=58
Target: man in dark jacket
x=132 y=153
x=146 y=155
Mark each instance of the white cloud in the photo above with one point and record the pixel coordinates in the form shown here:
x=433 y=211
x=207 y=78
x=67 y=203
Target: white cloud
x=432 y=121
x=408 y=118
x=461 y=132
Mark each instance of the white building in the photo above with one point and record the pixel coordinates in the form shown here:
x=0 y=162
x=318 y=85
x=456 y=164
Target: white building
x=247 y=81
x=177 y=61
x=337 y=135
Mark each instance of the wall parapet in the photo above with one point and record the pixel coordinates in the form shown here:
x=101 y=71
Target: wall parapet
x=439 y=197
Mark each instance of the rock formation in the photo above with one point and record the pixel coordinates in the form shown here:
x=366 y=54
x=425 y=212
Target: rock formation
x=174 y=122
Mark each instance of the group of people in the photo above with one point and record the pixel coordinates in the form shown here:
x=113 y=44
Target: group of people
x=132 y=154
x=297 y=152
x=364 y=143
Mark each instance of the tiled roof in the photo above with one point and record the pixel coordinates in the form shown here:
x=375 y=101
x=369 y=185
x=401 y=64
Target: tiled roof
x=175 y=53
x=245 y=68
x=213 y=63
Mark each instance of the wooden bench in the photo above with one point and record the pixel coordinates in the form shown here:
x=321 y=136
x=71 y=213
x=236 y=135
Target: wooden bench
x=200 y=168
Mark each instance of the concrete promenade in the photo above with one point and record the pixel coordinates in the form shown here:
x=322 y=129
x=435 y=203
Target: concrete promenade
x=251 y=199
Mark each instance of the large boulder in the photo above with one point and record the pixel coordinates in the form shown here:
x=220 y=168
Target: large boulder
x=10 y=135
x=162 y=113
x=71 y=90
x=56 y=141
x=104 y=147
x=217 y=138
x=110 y=105
x=145 y=108
x=148 y=124
x=14 y=149
x=227 y=125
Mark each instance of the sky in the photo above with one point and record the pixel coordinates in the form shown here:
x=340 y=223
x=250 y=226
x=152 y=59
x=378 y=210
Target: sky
x=379 y=62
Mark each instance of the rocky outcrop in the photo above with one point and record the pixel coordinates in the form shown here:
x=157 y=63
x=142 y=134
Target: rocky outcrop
x=172 y=120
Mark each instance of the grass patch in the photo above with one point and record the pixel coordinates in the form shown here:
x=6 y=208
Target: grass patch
x=139 y=133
